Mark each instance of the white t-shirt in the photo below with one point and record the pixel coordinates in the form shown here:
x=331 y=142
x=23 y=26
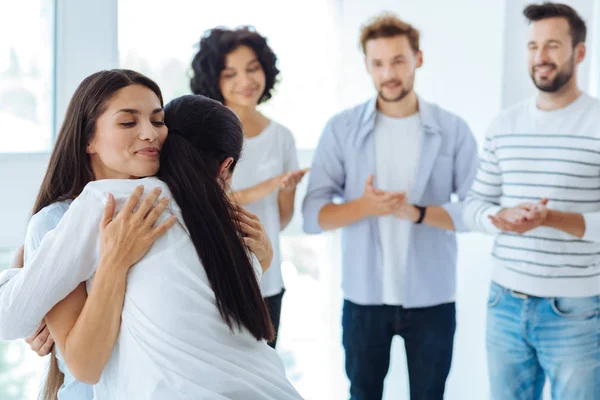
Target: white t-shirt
x=173 y=343
x=271 y=153
x=397 y=150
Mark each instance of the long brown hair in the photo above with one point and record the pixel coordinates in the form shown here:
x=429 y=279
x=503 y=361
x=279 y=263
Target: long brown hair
x=203 y=133
x=69 y=169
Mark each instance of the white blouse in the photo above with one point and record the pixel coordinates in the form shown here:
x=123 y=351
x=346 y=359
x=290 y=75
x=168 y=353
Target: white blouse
x=173 y=343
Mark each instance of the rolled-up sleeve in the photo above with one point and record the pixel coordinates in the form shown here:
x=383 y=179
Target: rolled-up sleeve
x=326 y=180
x=66 y=257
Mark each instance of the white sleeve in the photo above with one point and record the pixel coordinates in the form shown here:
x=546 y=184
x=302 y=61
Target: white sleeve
x=485 y=195
x=39 y=225
x=66 y=257
x=290 y=161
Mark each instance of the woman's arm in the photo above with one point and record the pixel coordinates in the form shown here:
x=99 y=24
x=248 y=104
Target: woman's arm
x=256 y=192
x=86 y=330
x=64 y=259
x=287 y=196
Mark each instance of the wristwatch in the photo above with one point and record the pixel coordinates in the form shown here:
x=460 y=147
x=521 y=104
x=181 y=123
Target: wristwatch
x=422 y=211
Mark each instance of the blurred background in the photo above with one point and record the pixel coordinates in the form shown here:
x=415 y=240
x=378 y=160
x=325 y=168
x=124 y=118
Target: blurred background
x=474 y=65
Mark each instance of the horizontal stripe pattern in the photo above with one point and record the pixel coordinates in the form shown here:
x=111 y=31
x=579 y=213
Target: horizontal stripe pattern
x=560 y=162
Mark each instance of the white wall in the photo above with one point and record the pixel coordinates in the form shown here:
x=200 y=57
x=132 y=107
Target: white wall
x=517 y=84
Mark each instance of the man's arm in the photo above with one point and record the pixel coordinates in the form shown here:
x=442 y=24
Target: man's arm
x=326 y=181
x=575 y=224
x=449 y=216
x=484 y=197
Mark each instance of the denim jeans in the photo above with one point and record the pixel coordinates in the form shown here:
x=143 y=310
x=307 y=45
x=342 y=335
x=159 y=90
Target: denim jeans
x=428 y=335
x=530 y=338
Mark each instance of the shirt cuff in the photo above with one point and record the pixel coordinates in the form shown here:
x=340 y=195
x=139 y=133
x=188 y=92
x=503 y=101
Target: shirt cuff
x=592 y=227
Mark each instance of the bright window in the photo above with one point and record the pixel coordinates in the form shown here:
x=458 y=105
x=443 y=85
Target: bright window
x=26 y=76
x=160 y=41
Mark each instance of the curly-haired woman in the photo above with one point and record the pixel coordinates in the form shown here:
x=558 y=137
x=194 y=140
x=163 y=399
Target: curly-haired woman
x=238 y=68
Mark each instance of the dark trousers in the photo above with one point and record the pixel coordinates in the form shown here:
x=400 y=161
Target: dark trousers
x=428 y=335
x=274 y=307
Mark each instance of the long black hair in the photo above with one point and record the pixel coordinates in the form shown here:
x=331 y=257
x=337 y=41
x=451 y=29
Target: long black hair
x=203 y=134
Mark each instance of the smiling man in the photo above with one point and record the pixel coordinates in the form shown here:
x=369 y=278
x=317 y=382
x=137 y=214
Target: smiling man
x=538 y=188
x=395 y=161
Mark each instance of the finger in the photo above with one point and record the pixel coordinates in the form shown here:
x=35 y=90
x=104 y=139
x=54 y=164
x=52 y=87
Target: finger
x=391 y=196
x=148 y=203
x=164 y=227
x=300 y=173
x=498 y=222
x=533 y=215
x=505 y=220
x=517 y=215
x=495 y=222
x=525 y=206
x=370 y=181
x=249 y=219
x=249 y=231
x=40 y=339
x=156 y=212
x=250 y=243
x=240 y=210
x=109 y=211
x=31 y=338
x=132 y=201
x=46 y=348
x=255 y=225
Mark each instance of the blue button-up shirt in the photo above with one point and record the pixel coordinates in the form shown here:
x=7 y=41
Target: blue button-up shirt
x=344 y=159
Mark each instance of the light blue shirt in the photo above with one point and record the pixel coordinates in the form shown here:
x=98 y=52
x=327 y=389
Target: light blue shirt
x=40 y=224
x=344 y=159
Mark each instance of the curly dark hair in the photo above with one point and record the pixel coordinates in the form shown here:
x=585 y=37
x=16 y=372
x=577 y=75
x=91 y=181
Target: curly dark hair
x=215 y=45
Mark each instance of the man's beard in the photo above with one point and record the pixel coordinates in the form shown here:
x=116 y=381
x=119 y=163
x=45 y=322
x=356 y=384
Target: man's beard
x=403 y=93
x=563 y=76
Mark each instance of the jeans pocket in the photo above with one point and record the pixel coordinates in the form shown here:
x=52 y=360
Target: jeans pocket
x=495 y=295
x=576 y=307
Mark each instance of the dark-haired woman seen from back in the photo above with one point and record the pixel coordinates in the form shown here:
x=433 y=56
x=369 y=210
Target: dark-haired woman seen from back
x=238 y=68
x=193 y=322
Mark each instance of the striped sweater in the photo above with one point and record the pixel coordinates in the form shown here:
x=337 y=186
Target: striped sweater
x=529 y=154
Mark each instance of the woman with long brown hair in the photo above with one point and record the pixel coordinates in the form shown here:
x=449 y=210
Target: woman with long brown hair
x=221 y=267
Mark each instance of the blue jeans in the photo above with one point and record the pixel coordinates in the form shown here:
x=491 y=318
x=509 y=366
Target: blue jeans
x=530 y=338
x=428 y=335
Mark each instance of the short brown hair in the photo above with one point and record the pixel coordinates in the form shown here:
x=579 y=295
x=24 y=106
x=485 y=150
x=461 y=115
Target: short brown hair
x=538 y=12
x=388 y=25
